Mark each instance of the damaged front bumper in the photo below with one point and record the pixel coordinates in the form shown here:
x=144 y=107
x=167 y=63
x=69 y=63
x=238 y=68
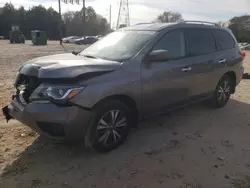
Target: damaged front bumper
x=6 y=113
x=51 y=120
x=6 y=110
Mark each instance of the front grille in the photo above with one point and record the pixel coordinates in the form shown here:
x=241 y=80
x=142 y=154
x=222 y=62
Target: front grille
x=26 y=85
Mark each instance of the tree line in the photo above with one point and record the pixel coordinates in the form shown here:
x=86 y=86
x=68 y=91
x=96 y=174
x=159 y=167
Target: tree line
x=48 y=20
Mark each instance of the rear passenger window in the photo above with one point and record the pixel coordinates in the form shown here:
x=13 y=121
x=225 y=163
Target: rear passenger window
x=224 y=40
x=174 y=43
x=201 y=41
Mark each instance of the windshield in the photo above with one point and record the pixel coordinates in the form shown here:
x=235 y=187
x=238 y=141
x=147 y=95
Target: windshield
x=119 y=45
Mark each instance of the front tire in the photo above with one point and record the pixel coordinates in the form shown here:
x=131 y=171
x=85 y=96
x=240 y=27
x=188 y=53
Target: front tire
x=222 y=92
x=110 y=125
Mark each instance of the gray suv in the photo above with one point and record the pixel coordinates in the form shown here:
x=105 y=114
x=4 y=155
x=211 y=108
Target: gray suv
x=100 y=93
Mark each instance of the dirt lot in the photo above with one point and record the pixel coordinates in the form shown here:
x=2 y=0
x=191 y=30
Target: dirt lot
x=197 y=147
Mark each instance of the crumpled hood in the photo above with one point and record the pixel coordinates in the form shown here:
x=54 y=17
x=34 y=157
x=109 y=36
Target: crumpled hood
x=66 y=66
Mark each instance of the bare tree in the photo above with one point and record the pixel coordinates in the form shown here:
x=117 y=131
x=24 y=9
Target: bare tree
x=240 y=26
x=224 y=23
x=244 y=21
x=169 y=17
x=95 y=24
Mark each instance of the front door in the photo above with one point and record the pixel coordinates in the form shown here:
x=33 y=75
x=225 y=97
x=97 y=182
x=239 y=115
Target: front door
x=166 y=82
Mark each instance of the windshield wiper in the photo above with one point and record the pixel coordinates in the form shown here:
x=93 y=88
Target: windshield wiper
x=90 y=56
x=76 y=52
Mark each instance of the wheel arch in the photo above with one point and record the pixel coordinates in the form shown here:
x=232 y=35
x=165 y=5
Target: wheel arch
x=125 y=99
x=232 y=75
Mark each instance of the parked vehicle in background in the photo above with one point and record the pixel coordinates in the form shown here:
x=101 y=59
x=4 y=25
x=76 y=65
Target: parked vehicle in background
x=79 y=40
x=245 y=47
x=70 y=39
x=86 y=40
x=98 y=37
x=64 y=39
x=98 y=94
x=16 y=37
x=1 y=37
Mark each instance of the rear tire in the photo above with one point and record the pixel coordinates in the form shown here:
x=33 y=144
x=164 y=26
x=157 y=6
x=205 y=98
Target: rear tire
x=222 y=92
x=109 y=126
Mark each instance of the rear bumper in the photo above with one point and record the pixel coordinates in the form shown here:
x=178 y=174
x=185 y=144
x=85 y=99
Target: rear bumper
x=56 y=122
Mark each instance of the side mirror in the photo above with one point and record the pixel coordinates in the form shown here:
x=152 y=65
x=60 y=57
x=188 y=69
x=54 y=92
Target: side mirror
x=158 y=55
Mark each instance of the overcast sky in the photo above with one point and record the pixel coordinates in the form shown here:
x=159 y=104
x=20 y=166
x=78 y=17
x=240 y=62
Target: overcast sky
x=147 y=10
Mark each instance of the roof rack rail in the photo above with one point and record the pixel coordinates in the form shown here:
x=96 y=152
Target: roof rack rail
x=201 y=22
x=144 y=23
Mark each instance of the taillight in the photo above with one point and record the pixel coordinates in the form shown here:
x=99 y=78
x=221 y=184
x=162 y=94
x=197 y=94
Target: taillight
x=243 y=54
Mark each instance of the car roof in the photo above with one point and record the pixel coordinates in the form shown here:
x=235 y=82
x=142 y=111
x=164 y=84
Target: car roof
x=182 y=24
x=148 y=26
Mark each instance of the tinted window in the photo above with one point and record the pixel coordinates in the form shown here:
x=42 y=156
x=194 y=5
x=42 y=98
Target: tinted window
x=201 y=41
x=224 y=40
x=174 y=43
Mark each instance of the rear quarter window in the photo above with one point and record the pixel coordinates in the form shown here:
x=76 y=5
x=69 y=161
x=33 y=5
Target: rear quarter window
x=224 y=40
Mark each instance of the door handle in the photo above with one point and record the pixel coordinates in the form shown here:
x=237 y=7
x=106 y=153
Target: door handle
x=222 y=61
x=186 y=69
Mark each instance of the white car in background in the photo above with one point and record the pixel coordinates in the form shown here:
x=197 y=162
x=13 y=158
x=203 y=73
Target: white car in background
x=244 y=46
x=70 y=39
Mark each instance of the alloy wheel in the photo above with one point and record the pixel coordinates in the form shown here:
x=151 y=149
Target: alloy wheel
x=111 y=127
x=224 y=92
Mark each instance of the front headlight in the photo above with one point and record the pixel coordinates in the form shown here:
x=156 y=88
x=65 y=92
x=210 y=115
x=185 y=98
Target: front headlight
x=62 y=93
x=56 y=93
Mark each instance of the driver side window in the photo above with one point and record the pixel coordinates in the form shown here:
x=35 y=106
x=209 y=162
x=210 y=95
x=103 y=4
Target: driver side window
x=174 y=43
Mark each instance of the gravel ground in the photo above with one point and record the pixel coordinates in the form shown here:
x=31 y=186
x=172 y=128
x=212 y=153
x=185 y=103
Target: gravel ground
x=197 y=147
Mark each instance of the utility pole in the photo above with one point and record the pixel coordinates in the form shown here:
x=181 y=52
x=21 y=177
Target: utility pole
x=84 y=16
x=110 y=16
x=60 y=21
x=60 y=13
x=119 y=13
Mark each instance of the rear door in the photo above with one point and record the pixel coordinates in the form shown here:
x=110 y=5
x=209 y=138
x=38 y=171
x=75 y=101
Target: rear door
x=201 y=52
x=228 y=56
